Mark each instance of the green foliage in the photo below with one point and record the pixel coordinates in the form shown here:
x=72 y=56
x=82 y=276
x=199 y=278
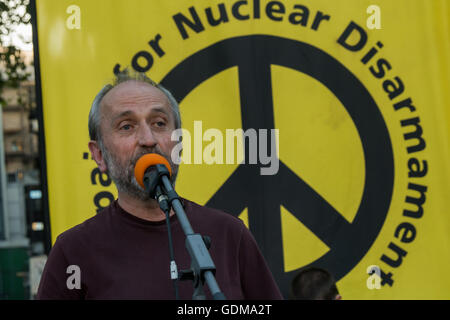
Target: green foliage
x=12 y=67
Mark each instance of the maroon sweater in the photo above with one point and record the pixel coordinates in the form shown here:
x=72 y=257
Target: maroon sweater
x=121 y=256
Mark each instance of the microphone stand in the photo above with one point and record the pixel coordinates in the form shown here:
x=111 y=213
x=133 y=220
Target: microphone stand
x=202 y=267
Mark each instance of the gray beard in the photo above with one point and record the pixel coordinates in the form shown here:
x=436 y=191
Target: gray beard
x=123 y=177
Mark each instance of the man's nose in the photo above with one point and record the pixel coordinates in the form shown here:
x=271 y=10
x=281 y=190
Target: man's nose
x=146 y=137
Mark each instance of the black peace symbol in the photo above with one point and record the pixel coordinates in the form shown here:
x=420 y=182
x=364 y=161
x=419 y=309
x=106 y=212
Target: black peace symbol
x=263 y=195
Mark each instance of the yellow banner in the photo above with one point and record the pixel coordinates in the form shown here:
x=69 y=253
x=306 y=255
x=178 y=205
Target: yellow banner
x=359 y=95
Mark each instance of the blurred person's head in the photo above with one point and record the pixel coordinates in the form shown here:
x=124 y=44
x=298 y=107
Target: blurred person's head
x=314 y=284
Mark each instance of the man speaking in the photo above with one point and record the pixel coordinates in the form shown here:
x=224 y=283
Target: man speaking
x=123 y=251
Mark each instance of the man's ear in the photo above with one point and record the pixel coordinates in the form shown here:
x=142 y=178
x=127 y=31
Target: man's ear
x=97 y=155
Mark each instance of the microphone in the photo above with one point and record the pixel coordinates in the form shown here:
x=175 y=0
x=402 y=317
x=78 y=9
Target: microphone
x=151 y=171
x=143 y=171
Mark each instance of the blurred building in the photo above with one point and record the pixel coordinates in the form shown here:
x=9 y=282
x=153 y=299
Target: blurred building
x=20 y=130
x=21 y=216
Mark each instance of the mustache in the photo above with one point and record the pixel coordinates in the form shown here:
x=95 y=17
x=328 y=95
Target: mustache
x=143 y=152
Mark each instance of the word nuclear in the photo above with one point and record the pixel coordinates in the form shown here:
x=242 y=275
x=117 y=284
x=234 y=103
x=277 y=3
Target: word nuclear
x=249 y=145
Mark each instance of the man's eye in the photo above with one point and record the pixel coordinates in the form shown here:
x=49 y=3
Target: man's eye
x=126 y=127
x=160 y=123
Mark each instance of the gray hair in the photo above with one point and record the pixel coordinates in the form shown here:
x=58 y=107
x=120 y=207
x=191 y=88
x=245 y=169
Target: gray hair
x=123 y=76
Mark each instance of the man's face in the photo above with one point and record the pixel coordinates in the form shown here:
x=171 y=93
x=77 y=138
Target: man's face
x=136 y=119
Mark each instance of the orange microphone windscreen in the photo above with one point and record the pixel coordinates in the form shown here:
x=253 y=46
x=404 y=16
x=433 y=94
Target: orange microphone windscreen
x=146 y=161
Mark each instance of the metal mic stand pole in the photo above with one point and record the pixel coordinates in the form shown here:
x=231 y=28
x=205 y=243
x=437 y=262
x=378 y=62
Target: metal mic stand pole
x=202 y=266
